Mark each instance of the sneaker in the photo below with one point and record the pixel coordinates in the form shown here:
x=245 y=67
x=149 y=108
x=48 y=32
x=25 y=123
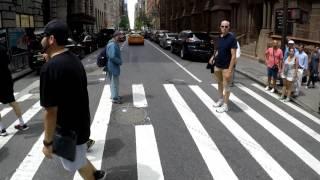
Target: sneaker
x=219 y=103
x=223 y=108
x=307 y=87
x=281 y=97
x=3 y=132
x=90 y=143
x=99 y=174
x=272 y=90
x=287 y=99
x=267 y=88
x=116 y=101
x=21 y=128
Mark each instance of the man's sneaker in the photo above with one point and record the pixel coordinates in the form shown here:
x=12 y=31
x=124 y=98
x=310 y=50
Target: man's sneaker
x=3 y=132
x=281 y=97
x=223 y=108
x=99 y=174
x=116 y=101
x=21 y=127
x=90 y=143
x=267 y=88
x=219 y=103
x=272 y=90
x=287 y=99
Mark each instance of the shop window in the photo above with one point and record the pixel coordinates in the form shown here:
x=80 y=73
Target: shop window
x=18 y=24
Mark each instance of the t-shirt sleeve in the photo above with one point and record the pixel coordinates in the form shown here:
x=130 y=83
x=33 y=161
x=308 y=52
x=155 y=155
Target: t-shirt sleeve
x=48 y=88
x=234 y=43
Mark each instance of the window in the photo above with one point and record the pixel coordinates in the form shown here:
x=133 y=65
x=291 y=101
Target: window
x=18 y=20
x=31 y=21
x=25 y=20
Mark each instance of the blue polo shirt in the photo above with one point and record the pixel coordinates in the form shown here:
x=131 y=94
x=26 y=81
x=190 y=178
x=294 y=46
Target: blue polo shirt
x=225 y=44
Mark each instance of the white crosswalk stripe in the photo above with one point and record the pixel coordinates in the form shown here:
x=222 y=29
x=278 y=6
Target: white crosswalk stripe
x=147 y=145
x=296 y=148
x=212 y=156
x=254 y=148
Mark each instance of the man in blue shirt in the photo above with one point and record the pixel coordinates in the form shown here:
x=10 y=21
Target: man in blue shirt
x=224 y=65
x=302 y=67
x=114 y=63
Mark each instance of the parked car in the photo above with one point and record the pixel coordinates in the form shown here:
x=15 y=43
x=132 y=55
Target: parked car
x=166 y=39
x=147 y=34
x=76 y=48
x=104 y=36
x=153 y=35
x=159 y=34
x=35 y=59
x=192 y=44
x=135 y=38
x=89 y=44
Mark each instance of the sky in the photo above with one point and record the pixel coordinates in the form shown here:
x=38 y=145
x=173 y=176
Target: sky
x=131 y=4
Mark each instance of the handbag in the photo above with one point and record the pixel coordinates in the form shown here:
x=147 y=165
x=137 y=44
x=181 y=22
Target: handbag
x=64 y=143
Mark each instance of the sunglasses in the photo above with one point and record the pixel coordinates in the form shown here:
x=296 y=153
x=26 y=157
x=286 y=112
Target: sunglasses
x=224 y=27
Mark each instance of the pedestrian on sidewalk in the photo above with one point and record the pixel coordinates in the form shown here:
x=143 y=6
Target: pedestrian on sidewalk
x=313 y=68
x=302 y=68
x=289 y=74
x=64 y=96
x=114 y=63
x=224 y=65
x=6 y=90
x=273 y=59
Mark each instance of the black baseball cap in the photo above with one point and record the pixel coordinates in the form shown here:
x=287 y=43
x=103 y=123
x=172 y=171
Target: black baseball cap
x=58 y=29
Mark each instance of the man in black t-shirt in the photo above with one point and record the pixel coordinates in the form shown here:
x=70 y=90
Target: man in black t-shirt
x=224 y=65
x=64 y=95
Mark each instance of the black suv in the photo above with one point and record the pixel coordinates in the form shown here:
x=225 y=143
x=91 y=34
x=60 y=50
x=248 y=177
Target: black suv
x=192 y=44
x=104 y=36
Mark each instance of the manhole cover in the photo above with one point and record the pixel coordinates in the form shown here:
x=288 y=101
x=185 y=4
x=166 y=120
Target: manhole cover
x=176 y=81
x=129 y=115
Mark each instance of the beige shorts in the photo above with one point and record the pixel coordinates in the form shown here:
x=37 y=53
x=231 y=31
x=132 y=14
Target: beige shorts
x=219 y=76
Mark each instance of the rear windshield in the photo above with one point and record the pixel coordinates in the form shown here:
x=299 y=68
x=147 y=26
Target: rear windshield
x=172 y=35
x=201 y=36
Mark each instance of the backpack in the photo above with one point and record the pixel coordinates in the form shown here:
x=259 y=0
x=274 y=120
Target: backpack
x=102 y=59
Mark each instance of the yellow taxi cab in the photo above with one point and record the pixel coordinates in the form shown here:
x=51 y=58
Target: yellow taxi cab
x=135 y=38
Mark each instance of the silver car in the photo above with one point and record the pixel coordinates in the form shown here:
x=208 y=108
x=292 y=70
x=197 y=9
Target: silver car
x=165 y=40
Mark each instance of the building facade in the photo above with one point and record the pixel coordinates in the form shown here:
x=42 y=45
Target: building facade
x=100 y=11
x=113 y=13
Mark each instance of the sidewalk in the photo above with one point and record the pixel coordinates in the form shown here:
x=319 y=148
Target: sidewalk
x=256 y=70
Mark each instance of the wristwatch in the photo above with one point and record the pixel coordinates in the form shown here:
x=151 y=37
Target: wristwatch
x=47 y=144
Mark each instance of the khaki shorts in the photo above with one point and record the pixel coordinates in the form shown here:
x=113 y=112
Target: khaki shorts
x=219 y=74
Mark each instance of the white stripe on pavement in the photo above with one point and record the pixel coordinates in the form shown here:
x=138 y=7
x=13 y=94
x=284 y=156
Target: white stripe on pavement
x=24 y=97
x=216 y=163
x=293 y=106
x=281 y=112
x=262 y=157
x=6 y=110
x=176 y=62
x=139 y=96
x=31 y=162
x=147 y=154
x=99 y=129
x=286 y=140
x=26 y=117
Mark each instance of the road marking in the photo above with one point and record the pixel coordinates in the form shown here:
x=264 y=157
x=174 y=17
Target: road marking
x=296 y=108
x=147 y=154
x=262 y=157
x=216 y=163
x=99 y=129
x=24 y=97
x=26 y=117
x=139 y=96
x=31 y=162
x=286 y=140
x=173 y=60
x=281 y=112
x=6 y=110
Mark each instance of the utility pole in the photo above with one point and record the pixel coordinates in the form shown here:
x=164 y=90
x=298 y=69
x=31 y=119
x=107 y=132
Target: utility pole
x=285 y=24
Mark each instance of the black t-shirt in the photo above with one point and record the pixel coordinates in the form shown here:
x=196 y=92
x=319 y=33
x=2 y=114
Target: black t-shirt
x=225 y=44
x=63 y=83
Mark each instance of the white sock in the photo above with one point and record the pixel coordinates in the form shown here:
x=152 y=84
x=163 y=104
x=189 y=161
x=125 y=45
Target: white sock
x=1 y=125
x=21 y=122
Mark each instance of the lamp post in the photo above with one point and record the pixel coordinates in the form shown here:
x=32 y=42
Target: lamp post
x=284 y=23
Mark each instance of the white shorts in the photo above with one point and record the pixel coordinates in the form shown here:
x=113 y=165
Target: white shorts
x=80 y=159
x=288 y=78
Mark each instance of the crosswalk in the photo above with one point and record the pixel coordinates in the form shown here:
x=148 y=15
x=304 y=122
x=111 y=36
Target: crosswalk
x=249 y=102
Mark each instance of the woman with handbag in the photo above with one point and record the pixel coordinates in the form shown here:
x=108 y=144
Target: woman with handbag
x=288 y=74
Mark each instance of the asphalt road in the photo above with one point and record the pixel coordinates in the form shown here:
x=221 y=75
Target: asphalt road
x=167 y=127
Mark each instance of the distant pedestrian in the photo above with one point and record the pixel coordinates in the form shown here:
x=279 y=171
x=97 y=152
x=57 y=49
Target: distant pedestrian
x=289 y=74
x=6 y=90
x=64 y=96
x=302 y=68
x=313 y=68
x=224 y=65
x=273 y=59
x=114 y=63
x=291 y=44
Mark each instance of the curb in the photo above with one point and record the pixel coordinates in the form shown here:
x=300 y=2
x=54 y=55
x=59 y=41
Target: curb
x=296 y=101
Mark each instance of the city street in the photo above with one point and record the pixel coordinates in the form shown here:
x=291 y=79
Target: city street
x=167 y=127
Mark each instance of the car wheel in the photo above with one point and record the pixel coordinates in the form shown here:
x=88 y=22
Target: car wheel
x=81 y=54
x=182 y=53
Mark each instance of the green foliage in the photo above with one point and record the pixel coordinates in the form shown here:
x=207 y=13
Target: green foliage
x=124 y=22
